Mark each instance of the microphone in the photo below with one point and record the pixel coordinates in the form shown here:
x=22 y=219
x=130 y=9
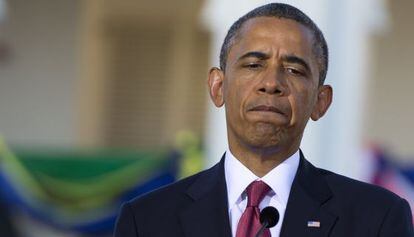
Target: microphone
x=269 y=217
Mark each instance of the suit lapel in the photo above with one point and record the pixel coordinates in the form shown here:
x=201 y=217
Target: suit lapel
x=306 y=205
x=207 y=215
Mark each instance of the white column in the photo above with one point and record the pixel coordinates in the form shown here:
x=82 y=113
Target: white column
x=334 y=142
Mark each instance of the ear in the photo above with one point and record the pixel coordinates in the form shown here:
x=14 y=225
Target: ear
x=215 y=85
x=323 y=102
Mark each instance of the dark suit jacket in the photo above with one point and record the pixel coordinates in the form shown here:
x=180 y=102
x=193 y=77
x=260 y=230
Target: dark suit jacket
x=6 y=225
x=197 y=207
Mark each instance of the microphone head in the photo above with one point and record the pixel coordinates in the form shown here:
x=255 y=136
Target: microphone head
x=270 y=215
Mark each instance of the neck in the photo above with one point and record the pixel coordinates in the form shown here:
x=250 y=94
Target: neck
x=261 y=160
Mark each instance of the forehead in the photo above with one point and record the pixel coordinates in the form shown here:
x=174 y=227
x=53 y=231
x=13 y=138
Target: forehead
x=275 y=36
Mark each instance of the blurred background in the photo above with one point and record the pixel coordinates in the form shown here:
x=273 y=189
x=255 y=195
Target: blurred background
x=103 y=100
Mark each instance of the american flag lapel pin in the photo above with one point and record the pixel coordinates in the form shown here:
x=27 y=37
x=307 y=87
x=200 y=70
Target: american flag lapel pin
x=314 y=224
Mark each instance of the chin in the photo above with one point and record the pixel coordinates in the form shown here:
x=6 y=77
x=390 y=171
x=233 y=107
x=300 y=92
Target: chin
x=265 y=137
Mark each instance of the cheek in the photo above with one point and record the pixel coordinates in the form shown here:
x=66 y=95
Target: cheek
x=238 y=94
x=301 y=102
x=233 y=95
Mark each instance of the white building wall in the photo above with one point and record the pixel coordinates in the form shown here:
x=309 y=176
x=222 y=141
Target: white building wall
x=38 y=79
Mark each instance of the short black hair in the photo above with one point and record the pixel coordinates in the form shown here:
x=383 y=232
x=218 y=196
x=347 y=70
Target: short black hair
x=280 y=10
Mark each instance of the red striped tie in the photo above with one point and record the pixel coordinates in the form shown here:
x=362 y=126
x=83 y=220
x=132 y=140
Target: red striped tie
x=249 y=223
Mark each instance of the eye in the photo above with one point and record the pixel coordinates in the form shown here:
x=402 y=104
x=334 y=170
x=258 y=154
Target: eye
x=253 y=65
x=294 y=71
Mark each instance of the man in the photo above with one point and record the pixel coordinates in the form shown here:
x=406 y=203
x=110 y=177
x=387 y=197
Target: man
x=273 y=65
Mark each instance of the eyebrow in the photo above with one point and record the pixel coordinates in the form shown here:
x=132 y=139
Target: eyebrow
x=297 y=60
x=254 y=54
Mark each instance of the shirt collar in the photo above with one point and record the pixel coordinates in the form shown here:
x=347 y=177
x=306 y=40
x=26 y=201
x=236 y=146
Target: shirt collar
x=280 y=178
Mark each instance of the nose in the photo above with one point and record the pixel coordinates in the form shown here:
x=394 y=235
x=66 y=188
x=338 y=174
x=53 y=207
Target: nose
x=273 y=82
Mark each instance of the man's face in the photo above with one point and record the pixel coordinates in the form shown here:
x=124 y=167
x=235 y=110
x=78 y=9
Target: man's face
x=270 y=87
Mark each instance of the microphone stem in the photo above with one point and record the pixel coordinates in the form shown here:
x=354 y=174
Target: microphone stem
x=260 y=232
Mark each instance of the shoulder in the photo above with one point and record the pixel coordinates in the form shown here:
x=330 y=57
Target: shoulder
x=346 y=196
x=383 y=211
x=352 y=189
x=344 y=191
x=170 y=197
x=365 y=200
x=144 y=213
x=164 y=206
x=164 y=195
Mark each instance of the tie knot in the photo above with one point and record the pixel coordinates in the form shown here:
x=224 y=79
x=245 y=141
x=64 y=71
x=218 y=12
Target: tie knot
x=256 y=191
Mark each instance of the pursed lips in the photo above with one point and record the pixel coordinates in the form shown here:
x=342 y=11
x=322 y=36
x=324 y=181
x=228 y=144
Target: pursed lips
x=266 y=108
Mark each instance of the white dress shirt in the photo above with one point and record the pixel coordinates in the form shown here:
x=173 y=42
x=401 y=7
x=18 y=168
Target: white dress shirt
x=279 y=179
